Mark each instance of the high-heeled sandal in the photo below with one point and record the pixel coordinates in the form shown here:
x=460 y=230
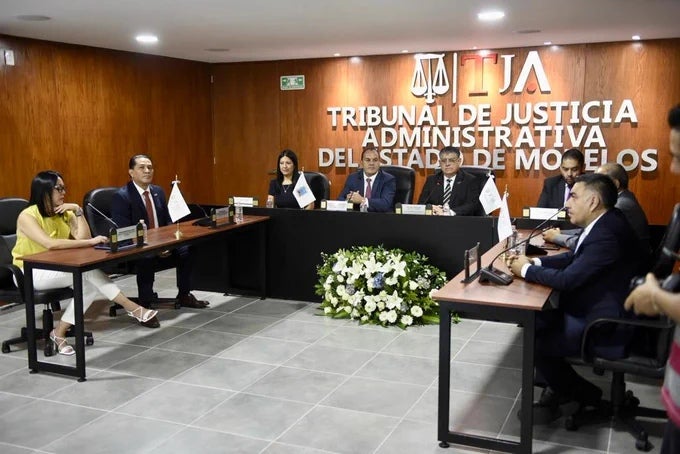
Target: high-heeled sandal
x=143 y=315
x=63 y=348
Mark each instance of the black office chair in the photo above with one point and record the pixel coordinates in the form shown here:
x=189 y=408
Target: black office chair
x=406 y=182
x=320 y=186
x=648 y=351
x=101 y=199
x=10 y=208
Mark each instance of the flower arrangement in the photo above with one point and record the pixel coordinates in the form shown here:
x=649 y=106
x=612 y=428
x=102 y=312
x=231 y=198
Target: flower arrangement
x=379 y=286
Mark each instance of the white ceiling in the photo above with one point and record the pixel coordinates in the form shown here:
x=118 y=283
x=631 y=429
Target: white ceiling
x=291 y=29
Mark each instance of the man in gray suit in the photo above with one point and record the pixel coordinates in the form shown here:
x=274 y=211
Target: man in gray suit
x=626 y=202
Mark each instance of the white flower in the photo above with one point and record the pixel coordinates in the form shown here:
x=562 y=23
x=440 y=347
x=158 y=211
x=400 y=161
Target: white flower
x=327 y=310
x=400 y=269
x=406 y=320
x=334 y=301
x=329 y=279
x=391 y=281
x=391 y=316
x=340 y=289
x=382 y=316
x=369 y=306
x=412 y=284
x=347 y=309
x=381 y=305
x=354 y=314
x=416 y=311
x=364 y=318
x=340 y=278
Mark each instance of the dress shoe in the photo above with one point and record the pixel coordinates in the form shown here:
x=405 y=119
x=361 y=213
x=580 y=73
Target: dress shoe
x=151 y=323
x=551 y=398
x=191 y=301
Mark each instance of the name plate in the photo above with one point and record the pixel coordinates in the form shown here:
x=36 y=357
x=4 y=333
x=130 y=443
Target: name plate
x=335 y=205
x=123 y=238
x=244 y=201
x=222 y=216
x=542 y=213
x=126 y=233
x=410 y=208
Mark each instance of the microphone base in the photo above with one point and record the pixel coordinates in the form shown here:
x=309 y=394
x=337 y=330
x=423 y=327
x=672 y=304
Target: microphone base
x=534 y=250
x=495 y=276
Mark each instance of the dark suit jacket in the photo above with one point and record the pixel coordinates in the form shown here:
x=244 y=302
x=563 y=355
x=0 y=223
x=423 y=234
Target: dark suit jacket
x=552 y=195
x=382 y=190
x=464 y=195
x=127 y=206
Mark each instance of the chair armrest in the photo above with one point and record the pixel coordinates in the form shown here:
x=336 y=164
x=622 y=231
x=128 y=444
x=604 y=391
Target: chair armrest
x=660 y=323
x=18 y=276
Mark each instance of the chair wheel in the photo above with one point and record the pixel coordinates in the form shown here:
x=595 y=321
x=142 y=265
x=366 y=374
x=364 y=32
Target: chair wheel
x=89 y=340
x=5 y=348
x=642 y=445
x=570 y=423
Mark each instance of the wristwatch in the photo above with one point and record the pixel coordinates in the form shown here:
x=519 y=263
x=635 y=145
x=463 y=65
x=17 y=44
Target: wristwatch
x=79 y=212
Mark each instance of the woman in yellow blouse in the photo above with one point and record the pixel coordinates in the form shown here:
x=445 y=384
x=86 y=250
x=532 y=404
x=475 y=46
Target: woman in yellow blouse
x=49 y=223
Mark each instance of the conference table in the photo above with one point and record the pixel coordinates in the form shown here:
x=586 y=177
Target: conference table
x=81 y=260
x=518 y=302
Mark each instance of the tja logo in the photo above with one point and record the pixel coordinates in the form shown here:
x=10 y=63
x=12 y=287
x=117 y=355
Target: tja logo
x=430 y=78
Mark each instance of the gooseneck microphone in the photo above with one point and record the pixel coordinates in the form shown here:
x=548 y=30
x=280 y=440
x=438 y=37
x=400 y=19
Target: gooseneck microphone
x=496 y=276
x=103 y=215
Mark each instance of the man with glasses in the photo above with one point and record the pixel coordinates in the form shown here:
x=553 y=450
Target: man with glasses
x=451 y=191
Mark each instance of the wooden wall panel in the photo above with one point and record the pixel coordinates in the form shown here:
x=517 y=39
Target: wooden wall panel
x=85 y=111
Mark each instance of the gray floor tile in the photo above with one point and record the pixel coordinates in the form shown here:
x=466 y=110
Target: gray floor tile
x=312 y=314
x=375 y=396
x=424 y=346
x=9 y=402
x=104 y=391
x=297 y=331
x=9 y=449
x=330 y=359
x=114 y=433
x=280 y=448
x=225 y=374
x=9 y=364
x=623 y=441
x=175 y=402
x=502 y=333
x=412 y=437
x=203 y=441
x=491 y=354
x=358 y=338
x=103 y=355
x=327 y=428
x=481 y=379
x=222 y=303
x=239 y=324
x=158 y=364
x=403 y=369
x=202 y=342
x=296 y=384
x=32 y=385
x=264 y=350
x=22 y=427
x=464 y=329
x=189 y=318
x=254 y=416
x=145 y=337
x=272 y=308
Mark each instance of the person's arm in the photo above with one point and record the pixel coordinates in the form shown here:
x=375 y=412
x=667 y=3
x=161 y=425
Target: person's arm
x=80 y=230
x=28 y=226
x=650 y=299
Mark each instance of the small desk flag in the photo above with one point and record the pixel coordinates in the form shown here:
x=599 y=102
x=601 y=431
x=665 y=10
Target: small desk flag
x=177 y=207
x=489 y=197
x=302 y=192
x=504 y=223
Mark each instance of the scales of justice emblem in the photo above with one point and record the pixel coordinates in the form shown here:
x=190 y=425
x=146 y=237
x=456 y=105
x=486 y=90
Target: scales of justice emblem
x=425 y=83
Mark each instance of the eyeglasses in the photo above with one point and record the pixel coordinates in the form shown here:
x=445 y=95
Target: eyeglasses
x=60 y=188
x=449 y=160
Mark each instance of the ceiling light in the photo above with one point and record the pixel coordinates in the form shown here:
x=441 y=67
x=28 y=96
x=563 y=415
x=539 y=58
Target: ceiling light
x=146 y=39
x=336 y=54
x=635 y=37
x=547 y=43
x=484 y=53
x=33 y=17
x=490 y=15
x=474 y=47
x=404 y=51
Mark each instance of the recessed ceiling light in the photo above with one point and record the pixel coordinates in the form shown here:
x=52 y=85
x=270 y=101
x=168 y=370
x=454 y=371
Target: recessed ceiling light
x=336 y=54
x=404 y=51
x=355 y=60
x=474 y=47
x=490 y=15
x=547 y=43
x=635 y=37
x=33 y=17
x=484 y=53
x=146 y=39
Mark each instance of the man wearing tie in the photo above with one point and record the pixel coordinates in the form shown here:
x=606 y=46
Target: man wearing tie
x=370 y=188
x=452 y=187
x=556 y=189
x=140 y=199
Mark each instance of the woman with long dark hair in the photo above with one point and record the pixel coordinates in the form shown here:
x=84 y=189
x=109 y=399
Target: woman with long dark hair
x=281 y=188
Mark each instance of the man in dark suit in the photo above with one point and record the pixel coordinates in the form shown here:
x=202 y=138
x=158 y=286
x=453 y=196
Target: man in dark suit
x=370 y=188
x=452 y=187
x=626 y=202
x=140 y=199
x=556 y=189
x=589 y=280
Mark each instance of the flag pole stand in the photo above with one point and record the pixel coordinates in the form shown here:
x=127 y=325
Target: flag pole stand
x=178 y=233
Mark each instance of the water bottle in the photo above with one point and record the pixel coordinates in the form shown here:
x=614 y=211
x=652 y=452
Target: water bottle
x=238 y=214
x=146 y=231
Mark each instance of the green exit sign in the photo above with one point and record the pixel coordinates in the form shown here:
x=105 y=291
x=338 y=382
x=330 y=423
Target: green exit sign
x=292 y=82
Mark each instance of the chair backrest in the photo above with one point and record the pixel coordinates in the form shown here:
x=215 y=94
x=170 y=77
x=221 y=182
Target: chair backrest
x=664 y=261
x=481 y=172
x=101 y=199
x=320 y=186
x=10 y=208
x=406 y=182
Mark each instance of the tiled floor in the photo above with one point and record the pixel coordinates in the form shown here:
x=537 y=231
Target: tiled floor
x=269 y=376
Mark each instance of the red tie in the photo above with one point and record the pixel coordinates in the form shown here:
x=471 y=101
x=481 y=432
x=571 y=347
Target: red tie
x=367 y=192
x=149 y=210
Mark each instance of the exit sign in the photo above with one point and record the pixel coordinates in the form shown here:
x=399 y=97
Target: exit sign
x=292 y=82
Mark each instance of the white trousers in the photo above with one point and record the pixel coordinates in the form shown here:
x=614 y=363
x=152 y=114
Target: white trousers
x=95 y=285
